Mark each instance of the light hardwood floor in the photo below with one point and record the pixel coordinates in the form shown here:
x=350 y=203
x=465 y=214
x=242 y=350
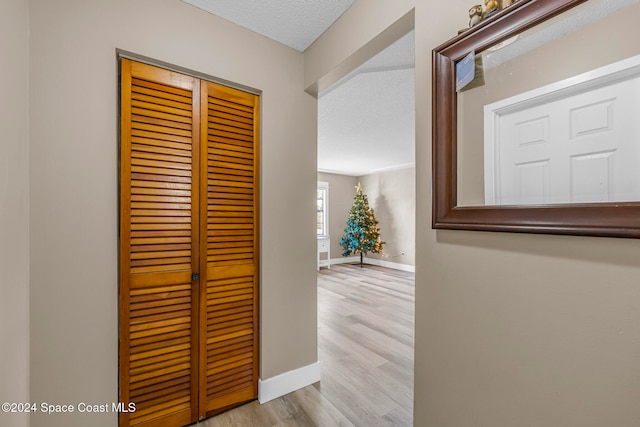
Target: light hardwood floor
x=365 y=346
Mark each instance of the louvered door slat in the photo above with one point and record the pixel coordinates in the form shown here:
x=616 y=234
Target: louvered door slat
x=229 y=338
x=159 y=246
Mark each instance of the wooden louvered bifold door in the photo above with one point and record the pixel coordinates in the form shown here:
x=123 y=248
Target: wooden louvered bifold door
x=188 y=247
x=229 y=300
x=159 y=246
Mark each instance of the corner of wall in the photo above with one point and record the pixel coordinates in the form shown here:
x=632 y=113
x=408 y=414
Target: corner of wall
x=14 y=211
x=274 y=387
x=331 y=57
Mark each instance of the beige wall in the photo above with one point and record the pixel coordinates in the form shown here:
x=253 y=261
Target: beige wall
x=511 y=329
x=341 y=193
x=74 y=190
x=392 y=196
x=14 y=210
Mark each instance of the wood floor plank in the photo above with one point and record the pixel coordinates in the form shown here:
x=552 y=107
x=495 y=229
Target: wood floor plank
x=367 y=311
x=365 y=345
x=306 y=407
x=333 y=345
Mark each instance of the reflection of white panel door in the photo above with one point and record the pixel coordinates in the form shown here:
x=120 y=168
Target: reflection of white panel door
x=524 y=157
x=570 y=147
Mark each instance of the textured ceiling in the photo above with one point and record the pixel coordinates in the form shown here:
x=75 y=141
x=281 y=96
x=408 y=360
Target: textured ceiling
x=366 y=122
x=295 y=23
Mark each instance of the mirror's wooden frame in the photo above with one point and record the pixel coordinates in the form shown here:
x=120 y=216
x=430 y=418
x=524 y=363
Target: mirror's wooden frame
x=593 y=219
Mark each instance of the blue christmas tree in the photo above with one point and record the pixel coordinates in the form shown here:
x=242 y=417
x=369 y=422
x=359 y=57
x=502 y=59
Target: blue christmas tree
x=362 y=234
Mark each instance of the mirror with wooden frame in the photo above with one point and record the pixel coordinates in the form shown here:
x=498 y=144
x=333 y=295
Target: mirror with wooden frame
x=535 y=121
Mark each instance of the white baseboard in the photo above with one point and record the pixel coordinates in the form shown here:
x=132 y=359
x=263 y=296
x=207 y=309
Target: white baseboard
x=290 y=381
x=389 y=264
x=345 y=260
x=372 y=261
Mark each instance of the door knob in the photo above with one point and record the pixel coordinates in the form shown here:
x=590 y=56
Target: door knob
x=194 y=277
